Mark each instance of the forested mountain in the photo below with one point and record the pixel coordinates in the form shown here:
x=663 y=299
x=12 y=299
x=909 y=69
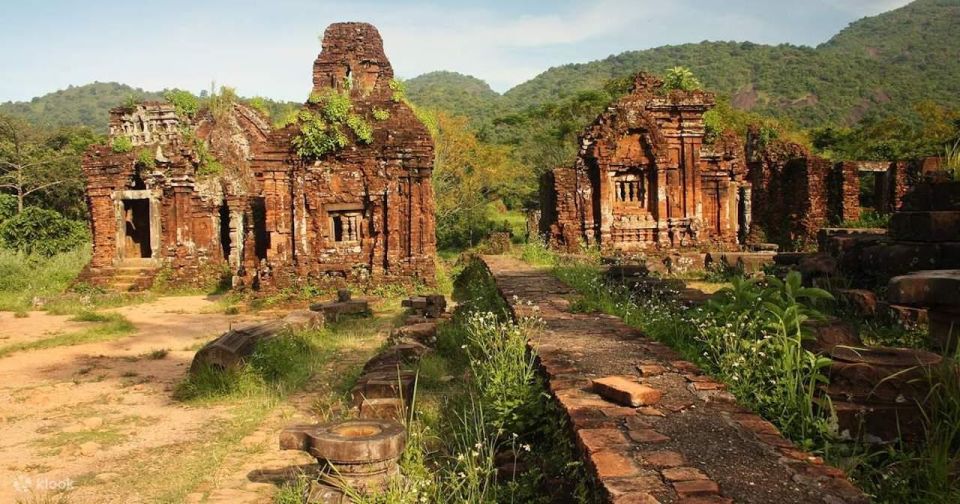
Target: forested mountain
x=877 y=65
x=883 y=63
x=454 y=92
x=78 y=105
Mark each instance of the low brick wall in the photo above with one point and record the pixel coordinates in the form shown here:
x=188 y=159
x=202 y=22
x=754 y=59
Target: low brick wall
x=695 y=444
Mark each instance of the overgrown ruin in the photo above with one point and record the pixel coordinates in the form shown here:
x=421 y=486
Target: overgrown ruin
x=222 y=192
x=645 y=179
x=642 y=178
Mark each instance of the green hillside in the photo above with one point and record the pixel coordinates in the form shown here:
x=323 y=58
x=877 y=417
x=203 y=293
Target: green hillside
x=451 y=91
x=883 y=63
x=876 y=66
x=78 y=105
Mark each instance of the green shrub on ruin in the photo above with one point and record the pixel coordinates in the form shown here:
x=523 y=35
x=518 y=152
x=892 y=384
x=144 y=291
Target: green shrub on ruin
x=381 y=114
x=360 y=128
x=186 y=104
x=681 y=78
x=121 y=145
x=316 y=138
x=399 y=90
x=147 y=158
x=221 y=103
x=323 y=132
x=259 y=104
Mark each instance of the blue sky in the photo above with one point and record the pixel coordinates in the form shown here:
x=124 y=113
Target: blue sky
x=267 y=47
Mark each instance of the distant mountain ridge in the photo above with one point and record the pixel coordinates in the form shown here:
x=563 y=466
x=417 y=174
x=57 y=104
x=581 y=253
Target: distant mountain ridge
x=885 y=63
x=86 y=105
x=881 y=63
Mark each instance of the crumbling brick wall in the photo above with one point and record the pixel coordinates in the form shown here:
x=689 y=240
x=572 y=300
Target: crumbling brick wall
x=638 y=179
x=789 y=190
x=362 y=211
x=365 y=211
x=844 y=193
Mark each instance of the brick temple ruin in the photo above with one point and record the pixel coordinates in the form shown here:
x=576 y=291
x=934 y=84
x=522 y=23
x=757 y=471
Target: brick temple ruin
x=644 y=179
x=270 y=217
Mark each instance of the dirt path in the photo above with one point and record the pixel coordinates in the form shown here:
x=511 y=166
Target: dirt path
x=72 y=416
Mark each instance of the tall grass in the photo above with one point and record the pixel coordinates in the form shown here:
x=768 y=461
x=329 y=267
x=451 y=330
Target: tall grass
x=951 y=160
x=750 y=337
x=492 y=408
x=276 y=367
x=25 y=278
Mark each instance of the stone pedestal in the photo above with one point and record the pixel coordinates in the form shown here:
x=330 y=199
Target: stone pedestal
x=939 y=291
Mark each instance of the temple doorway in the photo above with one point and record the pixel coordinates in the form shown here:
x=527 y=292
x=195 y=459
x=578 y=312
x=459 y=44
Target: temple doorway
x=136 y=221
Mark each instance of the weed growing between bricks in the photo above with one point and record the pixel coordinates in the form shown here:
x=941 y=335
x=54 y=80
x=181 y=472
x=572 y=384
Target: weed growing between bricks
x=482 y=428
x=749 y=338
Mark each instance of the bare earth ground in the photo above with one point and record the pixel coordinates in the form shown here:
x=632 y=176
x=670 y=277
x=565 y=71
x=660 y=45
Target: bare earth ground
x=100 y=418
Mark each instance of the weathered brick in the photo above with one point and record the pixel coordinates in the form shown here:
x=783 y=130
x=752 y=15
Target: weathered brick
x=662 y=458
x=696 y=488
x=609 y=464
x=647 y=436
x=624 y=391
x=595 y=440
x=683 y=474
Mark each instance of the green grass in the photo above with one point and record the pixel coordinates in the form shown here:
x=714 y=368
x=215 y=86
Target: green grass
x=110 y=326
x=478 y=395
x=869 y=218
x=105 y=437
x=26 y=278
x=723 y=340
x=513 y=220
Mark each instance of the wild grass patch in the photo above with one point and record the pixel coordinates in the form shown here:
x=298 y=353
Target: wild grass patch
x=109 y=326
x=479 y=402
x=29 y=279
x=750 y=337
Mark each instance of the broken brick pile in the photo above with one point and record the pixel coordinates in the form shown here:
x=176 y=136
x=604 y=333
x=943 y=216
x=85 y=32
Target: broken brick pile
x=674 y=434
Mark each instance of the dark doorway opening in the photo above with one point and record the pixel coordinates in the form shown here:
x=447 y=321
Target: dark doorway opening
x=261 y=239
x=136 y=217
x=225 y=241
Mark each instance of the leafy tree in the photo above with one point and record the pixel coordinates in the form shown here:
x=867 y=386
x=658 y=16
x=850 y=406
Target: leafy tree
x=681 y=78
x=32 y=161
x=40 y=231
x=468 y=174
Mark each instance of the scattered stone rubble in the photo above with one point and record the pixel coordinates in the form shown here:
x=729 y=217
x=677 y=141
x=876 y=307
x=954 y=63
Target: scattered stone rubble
x=344 y=305
x=362 y=454
x=269 y=217
x=232 y=348
x=429 y=306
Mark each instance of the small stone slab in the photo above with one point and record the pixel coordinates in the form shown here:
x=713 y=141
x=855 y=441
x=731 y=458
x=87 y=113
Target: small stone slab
x=926 y=288
x=626 y=392
x=929 y=226
x=335 y=309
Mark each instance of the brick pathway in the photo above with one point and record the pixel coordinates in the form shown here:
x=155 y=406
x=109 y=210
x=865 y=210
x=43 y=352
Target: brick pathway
x=695 y=444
